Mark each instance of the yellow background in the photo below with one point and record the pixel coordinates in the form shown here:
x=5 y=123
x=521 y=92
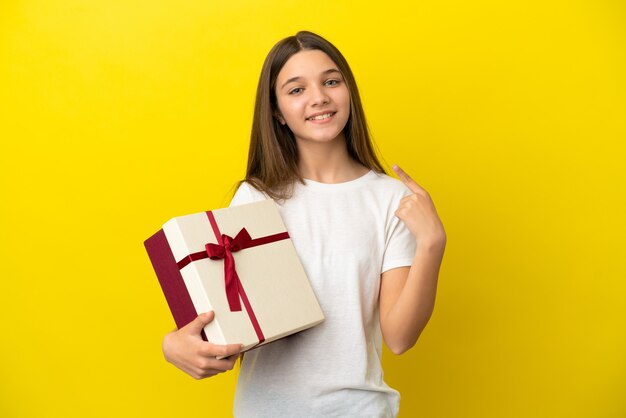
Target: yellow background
x=118 y=115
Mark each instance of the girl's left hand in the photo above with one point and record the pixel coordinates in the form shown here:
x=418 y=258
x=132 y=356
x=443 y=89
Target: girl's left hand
x=418 y=213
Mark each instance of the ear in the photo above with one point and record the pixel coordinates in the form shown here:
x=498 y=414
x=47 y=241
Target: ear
x=280 y=118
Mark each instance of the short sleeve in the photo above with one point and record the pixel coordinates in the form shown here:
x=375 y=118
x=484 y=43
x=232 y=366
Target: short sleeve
x=246 y=194
x=400 y=245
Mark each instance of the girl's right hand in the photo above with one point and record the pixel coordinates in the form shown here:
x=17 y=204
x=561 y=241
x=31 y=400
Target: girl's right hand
x=186 y=349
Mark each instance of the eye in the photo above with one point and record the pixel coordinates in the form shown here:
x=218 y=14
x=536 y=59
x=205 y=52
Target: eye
x=296 y=90
x=331 y=82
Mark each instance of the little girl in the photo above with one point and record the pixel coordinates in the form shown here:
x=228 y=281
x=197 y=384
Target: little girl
x=371 y=246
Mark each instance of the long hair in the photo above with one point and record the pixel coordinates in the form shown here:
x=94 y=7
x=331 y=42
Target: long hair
x=273 y=155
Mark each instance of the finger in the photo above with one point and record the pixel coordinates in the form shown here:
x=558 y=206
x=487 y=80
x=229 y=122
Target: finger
x=406 y=179
x=229 y=350
x=217 y=350
x=200 y=373
x=234 y=357
x=228 y=363
x=409 y=200
x=196 y=326
x=215 y=365
x=211 y=366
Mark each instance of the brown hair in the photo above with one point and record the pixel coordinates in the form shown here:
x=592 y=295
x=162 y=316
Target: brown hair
x=273 y=155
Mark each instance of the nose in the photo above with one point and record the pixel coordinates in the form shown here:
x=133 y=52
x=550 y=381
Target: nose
x=319 y=96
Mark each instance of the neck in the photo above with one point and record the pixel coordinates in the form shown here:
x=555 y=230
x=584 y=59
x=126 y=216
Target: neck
x=328 y=162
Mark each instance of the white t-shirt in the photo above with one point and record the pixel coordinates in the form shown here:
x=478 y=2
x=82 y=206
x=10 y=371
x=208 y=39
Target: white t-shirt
x=346 y=235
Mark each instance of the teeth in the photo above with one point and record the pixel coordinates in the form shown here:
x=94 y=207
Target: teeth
x=320 y=117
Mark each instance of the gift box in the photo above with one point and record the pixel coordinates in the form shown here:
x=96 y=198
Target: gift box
x=240 y=263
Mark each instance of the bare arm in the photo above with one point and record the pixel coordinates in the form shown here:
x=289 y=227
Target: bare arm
x=407 y=294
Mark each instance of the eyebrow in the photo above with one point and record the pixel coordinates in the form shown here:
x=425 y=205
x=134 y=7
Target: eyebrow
x=292 y=79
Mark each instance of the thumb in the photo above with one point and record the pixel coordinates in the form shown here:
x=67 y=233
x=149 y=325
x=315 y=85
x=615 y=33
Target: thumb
x=196 y=326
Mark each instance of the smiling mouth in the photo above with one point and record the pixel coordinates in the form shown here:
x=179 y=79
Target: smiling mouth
x=322 y=117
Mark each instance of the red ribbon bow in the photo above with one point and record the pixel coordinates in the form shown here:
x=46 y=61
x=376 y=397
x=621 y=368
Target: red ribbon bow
x=225 y=251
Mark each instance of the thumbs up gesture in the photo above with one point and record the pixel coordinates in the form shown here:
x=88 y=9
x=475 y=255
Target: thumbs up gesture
x=418 y=212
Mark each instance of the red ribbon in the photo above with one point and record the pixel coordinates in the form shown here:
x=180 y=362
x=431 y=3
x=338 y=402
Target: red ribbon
x=223 y=250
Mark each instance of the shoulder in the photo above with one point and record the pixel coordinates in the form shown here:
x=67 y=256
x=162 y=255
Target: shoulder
x=247 y=193
x=387 y=185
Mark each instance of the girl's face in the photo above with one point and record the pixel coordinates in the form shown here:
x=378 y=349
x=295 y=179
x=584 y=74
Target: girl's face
x=313 y=99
